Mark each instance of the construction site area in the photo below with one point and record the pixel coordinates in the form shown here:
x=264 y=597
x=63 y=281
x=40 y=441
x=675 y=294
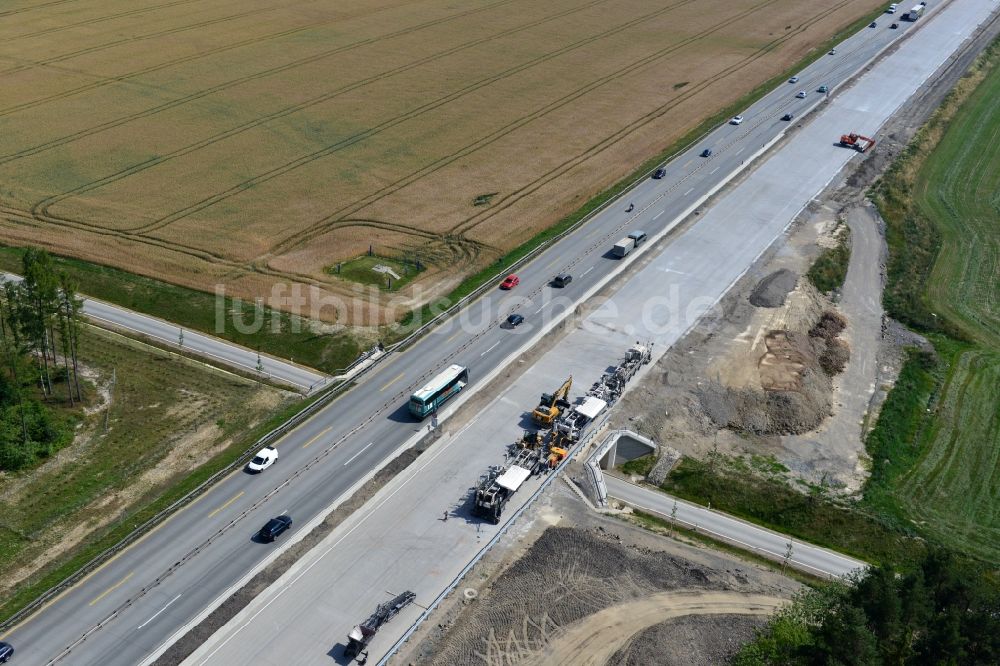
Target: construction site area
x=781 y=375
x=436 y=105
x=576 y=587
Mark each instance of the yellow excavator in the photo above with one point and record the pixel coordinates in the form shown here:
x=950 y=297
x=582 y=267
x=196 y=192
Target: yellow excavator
x=550 y=404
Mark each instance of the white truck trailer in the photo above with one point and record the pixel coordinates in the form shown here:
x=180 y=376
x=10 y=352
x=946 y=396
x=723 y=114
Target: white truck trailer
x=623 y=247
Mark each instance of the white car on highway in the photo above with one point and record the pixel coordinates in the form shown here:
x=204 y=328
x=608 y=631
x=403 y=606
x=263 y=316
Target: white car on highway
x=801 y=94
x=264 y=459
x=736 y=120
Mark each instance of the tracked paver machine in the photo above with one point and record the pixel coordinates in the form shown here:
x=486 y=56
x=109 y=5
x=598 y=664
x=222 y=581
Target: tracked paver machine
x=501 y=482
x=571 y=424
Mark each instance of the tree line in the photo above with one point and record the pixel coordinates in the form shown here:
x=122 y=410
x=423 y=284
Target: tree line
x=39 y=344
x=944 y=611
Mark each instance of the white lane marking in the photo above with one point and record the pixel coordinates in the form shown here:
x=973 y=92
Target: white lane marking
x=302 y=573
x=539 y=309
x=659 y=214
x=587 y=271
x=741 y=150
x=714 y=170
x=351 y=459
x=688 y=192
x=158 y=612
x=490 y=349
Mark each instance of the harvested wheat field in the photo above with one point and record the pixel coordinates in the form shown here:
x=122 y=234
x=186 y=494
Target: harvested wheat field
x=256 y=142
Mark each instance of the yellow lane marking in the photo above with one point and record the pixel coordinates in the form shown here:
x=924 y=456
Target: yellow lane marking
x=457 y=333
x=392 y=381
x=234 y=498
x=111 y=589
x=317 y=437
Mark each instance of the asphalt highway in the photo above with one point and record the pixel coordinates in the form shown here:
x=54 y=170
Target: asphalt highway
x=803 y=556
x=400 y=540
x=219 y=351
x=134 y=605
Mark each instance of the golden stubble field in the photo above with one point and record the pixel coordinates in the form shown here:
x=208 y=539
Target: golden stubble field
x=254 y=142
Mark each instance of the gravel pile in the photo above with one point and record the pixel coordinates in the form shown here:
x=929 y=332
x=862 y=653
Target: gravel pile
x=769 y=412
x=772 y=290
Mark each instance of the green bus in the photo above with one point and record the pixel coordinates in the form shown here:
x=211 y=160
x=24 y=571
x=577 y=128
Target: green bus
x=437 y=391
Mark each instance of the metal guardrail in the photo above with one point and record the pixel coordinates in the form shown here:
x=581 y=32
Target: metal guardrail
x=597 y=427
x=324 y=398
x=489 y=283
x=326 y=394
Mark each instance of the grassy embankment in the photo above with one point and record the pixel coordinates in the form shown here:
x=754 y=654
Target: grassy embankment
x=196 y=310
x=937 y=457
x=936 y=447
x=172 y=423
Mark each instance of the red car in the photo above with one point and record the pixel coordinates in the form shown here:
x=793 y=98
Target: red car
x=510 y=282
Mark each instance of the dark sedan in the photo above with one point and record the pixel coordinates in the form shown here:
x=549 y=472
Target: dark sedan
x=274 y=527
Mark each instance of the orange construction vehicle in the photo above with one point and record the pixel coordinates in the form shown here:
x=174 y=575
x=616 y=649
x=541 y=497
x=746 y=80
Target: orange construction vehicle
x=857 y=142
x=556 y=456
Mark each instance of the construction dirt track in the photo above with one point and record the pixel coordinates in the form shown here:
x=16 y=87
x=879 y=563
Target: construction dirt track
x=258 y=143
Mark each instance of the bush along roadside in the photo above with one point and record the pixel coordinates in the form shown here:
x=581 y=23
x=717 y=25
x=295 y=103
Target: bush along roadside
x=830 y=269
x=941 y=612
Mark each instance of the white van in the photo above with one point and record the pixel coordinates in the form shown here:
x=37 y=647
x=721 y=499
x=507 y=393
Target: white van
x=892 y=9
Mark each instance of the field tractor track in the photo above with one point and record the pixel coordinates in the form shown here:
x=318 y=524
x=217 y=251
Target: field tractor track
x=45 y=204
x=246 y=42
x=40 y=219
x=130 y=40
x=27 y=218
x=101 y=19
x=509 y=200
x=332 y=220
x=54 y=3
x=389 y=123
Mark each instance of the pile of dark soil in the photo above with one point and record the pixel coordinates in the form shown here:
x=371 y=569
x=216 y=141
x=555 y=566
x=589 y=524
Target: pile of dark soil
x=772 y=290
x=566 y=575
x=687 y=636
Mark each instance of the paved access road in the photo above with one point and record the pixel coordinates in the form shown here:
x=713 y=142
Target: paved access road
x=399 y=541
x=218 y=350
x=136 y=604
x=803 y=556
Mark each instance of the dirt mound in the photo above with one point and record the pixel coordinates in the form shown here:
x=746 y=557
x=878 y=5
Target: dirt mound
x=795 y=374
x=707 y=639
x=833 y=352
x=777 y=412
x=788 y=357
x=829 y=326
x=567 y=575
x=772 y=290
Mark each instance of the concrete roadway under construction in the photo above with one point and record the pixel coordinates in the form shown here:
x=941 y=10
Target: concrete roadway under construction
x=400 y=541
